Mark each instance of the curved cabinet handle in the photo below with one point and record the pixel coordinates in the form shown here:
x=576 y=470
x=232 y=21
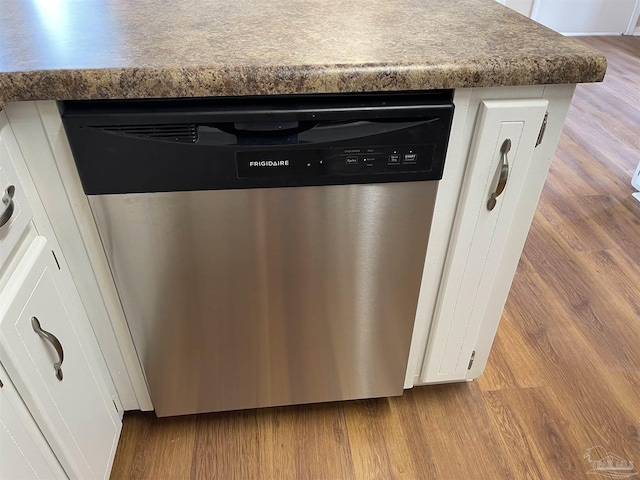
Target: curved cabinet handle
x=504 y=174
x=7 y=199
x=51 y=338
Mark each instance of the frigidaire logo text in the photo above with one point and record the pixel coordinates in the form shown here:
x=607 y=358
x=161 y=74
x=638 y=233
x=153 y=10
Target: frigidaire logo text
x=270 y=163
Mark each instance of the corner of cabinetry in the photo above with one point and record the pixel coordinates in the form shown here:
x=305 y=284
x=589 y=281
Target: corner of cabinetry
x=513 y=98
x=45 y=163
x=441 y=228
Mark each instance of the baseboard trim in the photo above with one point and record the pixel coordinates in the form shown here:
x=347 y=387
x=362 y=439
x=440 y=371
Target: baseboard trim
x=595 y=34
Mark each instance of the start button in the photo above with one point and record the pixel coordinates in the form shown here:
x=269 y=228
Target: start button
x=410 y=158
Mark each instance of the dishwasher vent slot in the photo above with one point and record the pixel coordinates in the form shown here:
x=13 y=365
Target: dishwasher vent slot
x=181 y=132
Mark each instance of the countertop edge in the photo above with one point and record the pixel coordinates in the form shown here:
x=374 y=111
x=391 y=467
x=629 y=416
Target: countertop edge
x=176 y=82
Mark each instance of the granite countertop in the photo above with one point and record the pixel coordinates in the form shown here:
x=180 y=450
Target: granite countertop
x=82 y=49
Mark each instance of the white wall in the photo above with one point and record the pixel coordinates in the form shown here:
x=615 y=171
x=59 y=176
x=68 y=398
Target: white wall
x=521 y=6
x=582 y=17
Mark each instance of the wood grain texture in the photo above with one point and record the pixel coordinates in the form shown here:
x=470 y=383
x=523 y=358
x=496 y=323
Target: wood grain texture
x=564 y=373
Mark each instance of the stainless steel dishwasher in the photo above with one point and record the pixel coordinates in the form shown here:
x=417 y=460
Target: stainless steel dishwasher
x=266 y=250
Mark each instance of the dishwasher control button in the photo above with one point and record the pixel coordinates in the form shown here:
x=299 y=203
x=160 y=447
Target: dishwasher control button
x=394 y=159
x=352 y=160
x=410 y=158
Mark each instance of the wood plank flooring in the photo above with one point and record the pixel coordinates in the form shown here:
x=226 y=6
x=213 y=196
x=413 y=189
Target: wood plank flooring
x=564 y=373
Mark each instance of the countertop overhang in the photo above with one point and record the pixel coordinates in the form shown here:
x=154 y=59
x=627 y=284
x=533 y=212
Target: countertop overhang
x=102 y=49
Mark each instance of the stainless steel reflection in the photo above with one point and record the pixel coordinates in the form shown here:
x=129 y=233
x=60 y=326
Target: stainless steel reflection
x=260 y=297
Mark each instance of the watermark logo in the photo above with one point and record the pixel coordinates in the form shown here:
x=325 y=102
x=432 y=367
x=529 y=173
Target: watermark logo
x=607 y=464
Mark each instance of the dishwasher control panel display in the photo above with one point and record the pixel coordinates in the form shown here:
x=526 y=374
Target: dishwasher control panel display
x=335 y=161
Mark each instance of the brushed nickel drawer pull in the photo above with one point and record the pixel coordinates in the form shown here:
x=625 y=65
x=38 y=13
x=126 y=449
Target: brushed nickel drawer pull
x=51 y=338
x=504 y=173
x=7 y=199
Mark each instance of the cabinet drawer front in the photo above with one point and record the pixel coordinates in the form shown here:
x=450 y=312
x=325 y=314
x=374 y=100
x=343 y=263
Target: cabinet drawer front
x=24 y=453
x=81 y=425
x=15 y=213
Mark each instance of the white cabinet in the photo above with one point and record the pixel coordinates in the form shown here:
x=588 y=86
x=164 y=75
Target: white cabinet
x=71 y=423
x=15 y=213
x=502 y=151
x=43 y=353
x=62 y=213
x=24 y=453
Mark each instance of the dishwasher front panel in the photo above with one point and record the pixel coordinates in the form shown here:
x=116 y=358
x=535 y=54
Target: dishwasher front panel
x=269 y=296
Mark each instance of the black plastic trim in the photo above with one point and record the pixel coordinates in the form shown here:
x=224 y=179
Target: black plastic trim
x=111 y=160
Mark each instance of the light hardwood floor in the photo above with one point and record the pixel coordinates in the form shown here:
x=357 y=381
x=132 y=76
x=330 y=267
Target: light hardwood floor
x=563 y=376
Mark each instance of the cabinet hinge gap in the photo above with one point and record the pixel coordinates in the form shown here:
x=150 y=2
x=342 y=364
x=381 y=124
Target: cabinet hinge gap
x=56 y=259
x=473 y=355
x=543 y=127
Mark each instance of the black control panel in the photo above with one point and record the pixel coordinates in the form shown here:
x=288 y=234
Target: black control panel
x=166 y=145
x=335 y=161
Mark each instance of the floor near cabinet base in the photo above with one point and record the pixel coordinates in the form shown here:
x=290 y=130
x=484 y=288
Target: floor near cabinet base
x=564 y=374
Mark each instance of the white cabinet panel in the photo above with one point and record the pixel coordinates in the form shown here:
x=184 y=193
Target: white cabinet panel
x=61 y=210
x=480 y=234
x=15 y=213
x=24 y=453
x=70 y=404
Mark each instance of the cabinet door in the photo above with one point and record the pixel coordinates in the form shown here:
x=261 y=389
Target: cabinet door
x=15 y=213
x=480 y=236
x=41 y=351
x=24 y=453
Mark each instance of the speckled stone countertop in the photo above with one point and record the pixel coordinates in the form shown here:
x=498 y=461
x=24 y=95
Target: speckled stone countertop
x=81 y=49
